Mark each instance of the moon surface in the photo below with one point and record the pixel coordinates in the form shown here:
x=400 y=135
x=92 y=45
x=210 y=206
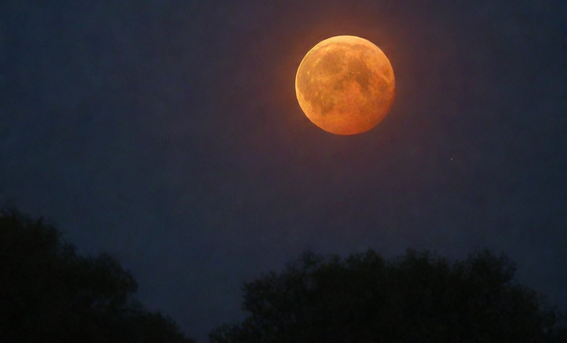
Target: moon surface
x=345 y=85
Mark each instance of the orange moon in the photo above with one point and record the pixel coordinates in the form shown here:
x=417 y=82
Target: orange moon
x=345 y=85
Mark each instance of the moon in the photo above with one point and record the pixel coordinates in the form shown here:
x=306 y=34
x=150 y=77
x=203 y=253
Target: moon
x=345 y=85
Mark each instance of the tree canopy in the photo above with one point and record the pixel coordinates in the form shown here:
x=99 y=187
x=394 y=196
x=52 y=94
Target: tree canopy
x=418 y=297
x=49 y=293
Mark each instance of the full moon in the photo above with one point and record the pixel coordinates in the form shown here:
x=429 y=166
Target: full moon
x=345 y=85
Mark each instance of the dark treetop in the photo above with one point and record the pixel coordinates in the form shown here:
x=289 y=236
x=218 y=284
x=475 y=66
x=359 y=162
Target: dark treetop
x=418 y=297
x=48 y=293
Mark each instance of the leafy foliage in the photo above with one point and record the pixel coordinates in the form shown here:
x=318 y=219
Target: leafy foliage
x=48 y=293
x=419 y=297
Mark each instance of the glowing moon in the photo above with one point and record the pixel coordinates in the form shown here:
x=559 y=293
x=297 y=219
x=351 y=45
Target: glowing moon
x=345 y=85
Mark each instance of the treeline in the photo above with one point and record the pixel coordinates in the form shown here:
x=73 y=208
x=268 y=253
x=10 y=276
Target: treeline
x=418 y=297
x=49 y=293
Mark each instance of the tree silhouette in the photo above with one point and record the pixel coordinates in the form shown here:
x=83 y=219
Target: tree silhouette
x=48 y=293
x=417 y=298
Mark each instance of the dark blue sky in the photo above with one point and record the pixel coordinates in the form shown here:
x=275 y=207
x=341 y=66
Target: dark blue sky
x=168 y=134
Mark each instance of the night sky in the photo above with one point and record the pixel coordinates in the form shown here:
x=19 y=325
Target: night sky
x=167 y=133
